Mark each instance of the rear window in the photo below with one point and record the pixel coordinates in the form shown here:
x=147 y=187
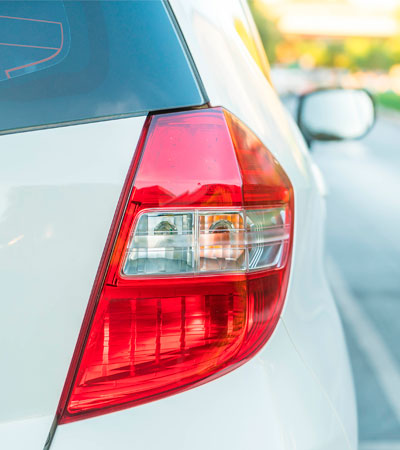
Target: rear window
x=73 y=61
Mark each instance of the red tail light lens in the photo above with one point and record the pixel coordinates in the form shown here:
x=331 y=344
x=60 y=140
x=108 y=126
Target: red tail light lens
x=193 y=280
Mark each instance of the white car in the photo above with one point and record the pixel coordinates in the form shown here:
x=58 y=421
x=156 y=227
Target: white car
x=161 y=238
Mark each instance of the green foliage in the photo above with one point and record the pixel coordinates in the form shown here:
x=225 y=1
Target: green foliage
x=389 y=100
x=353 y=53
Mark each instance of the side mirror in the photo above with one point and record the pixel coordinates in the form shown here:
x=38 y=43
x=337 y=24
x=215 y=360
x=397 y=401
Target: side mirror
x=336 y=114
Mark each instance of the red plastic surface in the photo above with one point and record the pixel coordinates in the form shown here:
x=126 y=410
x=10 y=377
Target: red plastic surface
x=146 y=338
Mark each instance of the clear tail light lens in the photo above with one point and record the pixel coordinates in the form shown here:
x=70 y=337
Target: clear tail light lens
x=197 y=241
x=194 y=275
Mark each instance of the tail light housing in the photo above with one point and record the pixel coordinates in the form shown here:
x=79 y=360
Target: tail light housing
x=194 y=274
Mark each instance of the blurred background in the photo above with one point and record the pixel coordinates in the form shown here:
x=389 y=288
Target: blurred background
x=353 y=44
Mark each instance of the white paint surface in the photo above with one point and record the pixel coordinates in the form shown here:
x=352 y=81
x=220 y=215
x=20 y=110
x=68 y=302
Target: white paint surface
x=59 y=189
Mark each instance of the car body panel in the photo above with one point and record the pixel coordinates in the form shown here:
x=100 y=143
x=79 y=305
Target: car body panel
x=25 y=434
x=59 y=191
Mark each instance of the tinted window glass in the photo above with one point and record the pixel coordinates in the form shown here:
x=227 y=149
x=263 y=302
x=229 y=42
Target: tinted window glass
x=36 y=40
x=68 y=61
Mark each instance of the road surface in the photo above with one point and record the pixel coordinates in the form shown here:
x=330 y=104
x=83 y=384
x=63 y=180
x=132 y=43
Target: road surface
x=363 y=265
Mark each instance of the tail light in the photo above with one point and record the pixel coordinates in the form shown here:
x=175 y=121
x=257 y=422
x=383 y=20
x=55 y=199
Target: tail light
x=193 y=279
